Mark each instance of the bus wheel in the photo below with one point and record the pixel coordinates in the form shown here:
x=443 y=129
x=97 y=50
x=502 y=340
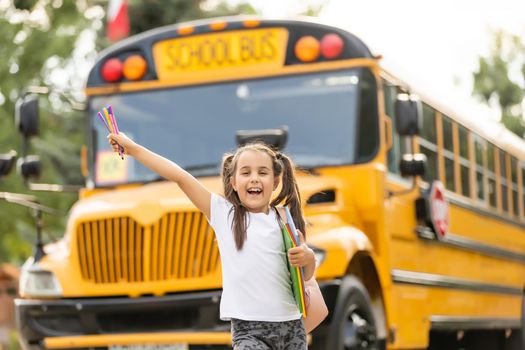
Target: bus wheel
x=522 y=329
x=353 y=326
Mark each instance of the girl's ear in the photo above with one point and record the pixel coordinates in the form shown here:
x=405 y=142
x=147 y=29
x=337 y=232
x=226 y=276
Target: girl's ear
x=232 y=182
x=276 y=182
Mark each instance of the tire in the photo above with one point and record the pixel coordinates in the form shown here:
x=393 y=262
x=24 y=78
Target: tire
x=522 y=329
x=353 y=324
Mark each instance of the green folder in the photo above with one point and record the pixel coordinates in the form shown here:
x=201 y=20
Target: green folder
x=295 y=272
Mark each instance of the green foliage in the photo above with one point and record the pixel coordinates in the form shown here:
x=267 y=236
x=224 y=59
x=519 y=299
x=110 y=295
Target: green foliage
x=38 y=35
x=149 y=14
x=499 y=80
x=314 y=8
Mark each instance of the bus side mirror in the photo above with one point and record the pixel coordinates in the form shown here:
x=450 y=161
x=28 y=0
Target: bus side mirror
x=413 y=164
x=408 y=115
x=27 y=116
x=6 y=163
x=29 y=167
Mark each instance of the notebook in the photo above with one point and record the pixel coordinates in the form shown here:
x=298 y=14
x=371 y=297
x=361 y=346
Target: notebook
x=291 y=239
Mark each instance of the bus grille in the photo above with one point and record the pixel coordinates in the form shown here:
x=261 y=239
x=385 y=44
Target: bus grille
x=178 y=246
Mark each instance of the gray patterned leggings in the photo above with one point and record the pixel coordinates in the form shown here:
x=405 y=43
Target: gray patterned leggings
x=258 y=335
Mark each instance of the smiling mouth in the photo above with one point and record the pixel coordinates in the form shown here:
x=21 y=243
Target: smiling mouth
x=254 y=191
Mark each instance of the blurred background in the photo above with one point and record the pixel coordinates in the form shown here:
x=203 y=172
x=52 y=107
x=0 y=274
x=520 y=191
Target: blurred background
x=470 y=53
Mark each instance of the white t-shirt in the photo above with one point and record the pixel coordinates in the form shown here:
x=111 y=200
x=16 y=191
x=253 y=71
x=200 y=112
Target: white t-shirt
x=255 y=280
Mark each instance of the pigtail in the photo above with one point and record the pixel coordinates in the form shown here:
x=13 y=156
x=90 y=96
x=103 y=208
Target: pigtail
x=226 y=173
x=239 y=224
x=290 y=194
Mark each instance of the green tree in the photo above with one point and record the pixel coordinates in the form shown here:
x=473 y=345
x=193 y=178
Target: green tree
x=38 y=37
x=148 y=14
x=499 y=80
x=313 y=7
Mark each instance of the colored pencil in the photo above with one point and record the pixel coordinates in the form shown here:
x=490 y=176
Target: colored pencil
x=103 y=120
x=110 y=122
x=115 y=128
x=108 y=119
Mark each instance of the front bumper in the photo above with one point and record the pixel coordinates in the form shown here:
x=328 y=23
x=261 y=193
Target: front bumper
x=45 y=323
x=190 y=318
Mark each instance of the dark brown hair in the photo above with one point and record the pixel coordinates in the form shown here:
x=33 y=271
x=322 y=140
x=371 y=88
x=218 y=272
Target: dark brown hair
x=289 y=195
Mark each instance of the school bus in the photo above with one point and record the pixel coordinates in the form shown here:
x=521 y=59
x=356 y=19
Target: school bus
x=411 y=254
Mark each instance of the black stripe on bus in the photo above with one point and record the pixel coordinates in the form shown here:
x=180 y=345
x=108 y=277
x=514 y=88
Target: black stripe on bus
x=432 y=280
x=445 y=323
x=457 y=241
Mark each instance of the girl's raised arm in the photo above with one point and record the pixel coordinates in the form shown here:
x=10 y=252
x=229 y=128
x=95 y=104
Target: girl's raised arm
x=195 y=191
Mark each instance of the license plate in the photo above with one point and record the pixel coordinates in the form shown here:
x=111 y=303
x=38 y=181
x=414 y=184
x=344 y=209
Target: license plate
x=227 y=53
x=150 y=347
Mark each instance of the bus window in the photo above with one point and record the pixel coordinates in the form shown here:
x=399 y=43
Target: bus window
x=429 y=124
x=479 y=146
x=464 y=161
x=448 y=153
x=368 y=124
x=428 y=143
x=398 y=146
x=514 y=184
x=503 y=180
x=491 y=175
x=448 y=142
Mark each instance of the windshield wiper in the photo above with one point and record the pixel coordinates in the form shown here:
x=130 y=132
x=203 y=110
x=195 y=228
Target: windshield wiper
x=203 y=169
x=195 y=170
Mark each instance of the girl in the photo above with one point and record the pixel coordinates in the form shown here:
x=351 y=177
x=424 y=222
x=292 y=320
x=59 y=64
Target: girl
x=257 y=295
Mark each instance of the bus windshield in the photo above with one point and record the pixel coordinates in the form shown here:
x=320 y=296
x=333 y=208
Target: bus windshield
x=194 y=126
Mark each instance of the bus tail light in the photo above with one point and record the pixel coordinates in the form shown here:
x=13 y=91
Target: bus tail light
x=134 y=67
x=112 y=70
x=307 y=49
x=331 y=46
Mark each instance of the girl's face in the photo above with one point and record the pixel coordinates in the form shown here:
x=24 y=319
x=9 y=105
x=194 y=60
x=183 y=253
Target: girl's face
x=254 y=180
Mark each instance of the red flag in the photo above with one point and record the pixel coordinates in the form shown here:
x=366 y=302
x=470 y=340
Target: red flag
x=118 y=20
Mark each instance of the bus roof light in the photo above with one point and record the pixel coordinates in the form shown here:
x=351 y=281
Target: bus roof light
x=185 y=30
x=251 y=23
x=135 y=67
x=218 y=25
x=307 y=49
x=331 y=46
x=112 y=70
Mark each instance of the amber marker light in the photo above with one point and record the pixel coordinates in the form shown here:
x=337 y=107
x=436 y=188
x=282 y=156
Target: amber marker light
x=218 y=25
x=251 y=23
x=111 y=70
x=331 y=46
x=135 y=67
x=185 y=30
x=307 y=49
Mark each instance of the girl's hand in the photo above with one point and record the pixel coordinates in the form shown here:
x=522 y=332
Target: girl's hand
x=122 y=140
x=301 y=255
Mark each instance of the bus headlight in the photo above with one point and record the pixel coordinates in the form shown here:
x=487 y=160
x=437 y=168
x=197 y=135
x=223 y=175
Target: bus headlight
x=36 y=282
